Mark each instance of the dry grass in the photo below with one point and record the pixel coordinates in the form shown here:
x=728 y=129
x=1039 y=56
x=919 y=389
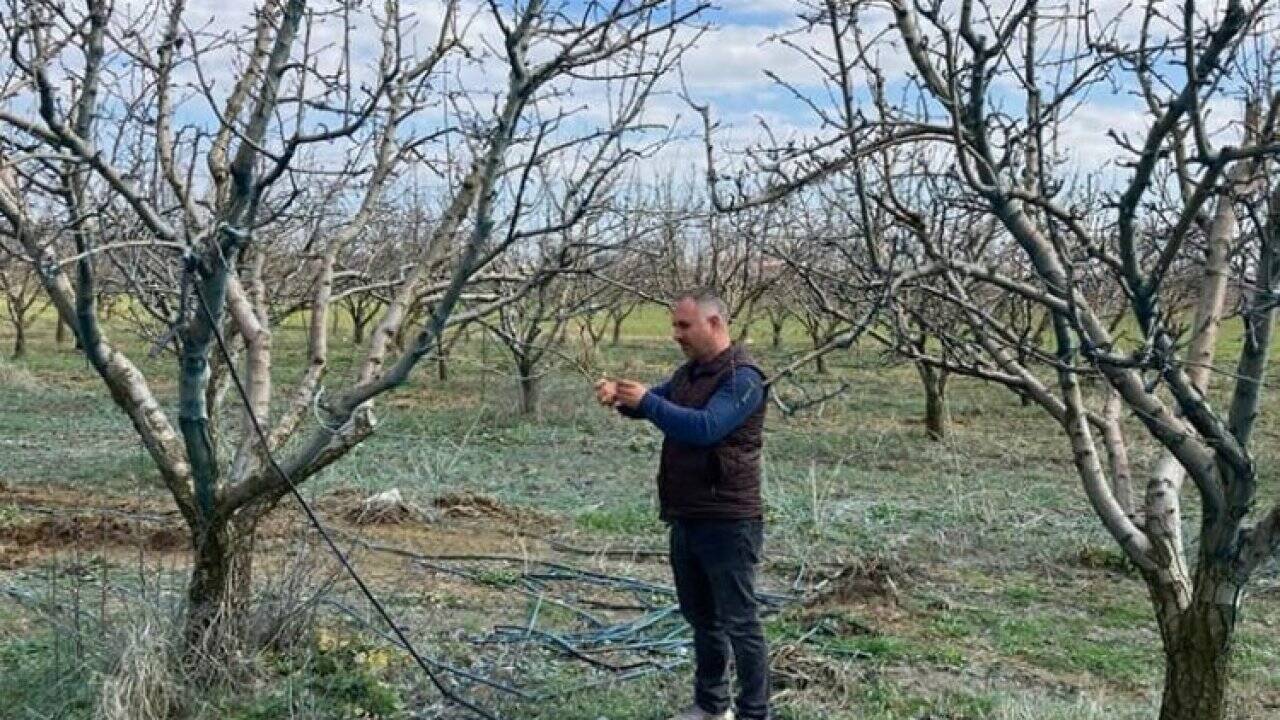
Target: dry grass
x=18 y=377
x=144 y=683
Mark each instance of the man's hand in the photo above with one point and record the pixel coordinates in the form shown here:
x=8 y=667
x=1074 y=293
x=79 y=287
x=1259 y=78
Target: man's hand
x=629 y=393
x=606 y=392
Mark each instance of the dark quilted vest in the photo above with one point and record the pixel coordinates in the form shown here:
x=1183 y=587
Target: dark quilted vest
x=718 y=482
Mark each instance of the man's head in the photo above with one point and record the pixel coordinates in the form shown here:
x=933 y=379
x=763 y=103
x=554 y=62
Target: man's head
x=700 y=324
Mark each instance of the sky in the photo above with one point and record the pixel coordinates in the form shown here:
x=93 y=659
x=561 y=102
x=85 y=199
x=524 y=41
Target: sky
x=726 y=69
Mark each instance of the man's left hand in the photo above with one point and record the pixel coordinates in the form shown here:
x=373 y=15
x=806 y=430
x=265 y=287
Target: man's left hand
x=630 y=393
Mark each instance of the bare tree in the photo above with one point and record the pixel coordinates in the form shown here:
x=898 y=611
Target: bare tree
x=694 y=246
x=618 y=304
x=777 y=309
x=1181 y=212
x=805 y=250
x=533 y=331
x=214 y=228
x=24 y=300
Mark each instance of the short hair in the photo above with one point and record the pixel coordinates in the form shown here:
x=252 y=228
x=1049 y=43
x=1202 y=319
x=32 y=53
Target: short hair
x=707 y=299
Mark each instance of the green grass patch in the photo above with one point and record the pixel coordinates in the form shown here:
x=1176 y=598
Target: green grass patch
x=44 y=675
x=631 y=520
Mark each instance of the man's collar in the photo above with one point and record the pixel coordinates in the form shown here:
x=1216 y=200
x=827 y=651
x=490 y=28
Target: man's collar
x=715 y=364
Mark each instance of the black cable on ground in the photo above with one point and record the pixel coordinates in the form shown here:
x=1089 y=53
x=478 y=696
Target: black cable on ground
x=315 y=521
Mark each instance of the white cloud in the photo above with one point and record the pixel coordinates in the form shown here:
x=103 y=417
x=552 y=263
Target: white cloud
x=734 y=58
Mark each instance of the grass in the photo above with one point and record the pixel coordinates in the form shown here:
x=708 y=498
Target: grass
x=41 y=676
x=1012 y=602
x=627 y=520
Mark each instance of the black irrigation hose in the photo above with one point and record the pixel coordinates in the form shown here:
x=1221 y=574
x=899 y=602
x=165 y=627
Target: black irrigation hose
x=315 y=521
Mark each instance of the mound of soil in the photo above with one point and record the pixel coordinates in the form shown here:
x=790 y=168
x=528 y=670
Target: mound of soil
x=874 y=578
x=385 y=508
x=468 y=504
x=92 y=531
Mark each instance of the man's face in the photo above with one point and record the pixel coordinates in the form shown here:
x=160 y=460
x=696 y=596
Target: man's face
x=693 y=328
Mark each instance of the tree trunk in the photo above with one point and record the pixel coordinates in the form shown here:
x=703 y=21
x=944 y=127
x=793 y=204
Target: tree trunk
x=442 y=363
x=530 y=390
x=616 y=337
x=60 y=335
x=776 y=338
x=936 y=414
x=409 y=327
x=820 y=362
x=1193 y=688
x=362 y=317
x=19 y=339
x=1198 y=649
x=220 y=588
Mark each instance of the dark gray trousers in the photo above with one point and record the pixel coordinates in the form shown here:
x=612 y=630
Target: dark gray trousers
x=714 y=563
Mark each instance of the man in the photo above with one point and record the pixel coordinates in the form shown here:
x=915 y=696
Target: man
x=711 y=413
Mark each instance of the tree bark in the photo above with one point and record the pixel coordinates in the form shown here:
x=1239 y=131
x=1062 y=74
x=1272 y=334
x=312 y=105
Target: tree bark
x=19 y=339
x=616 y=337
x=530 y=392
x=221 y=586
x=60 y=335
x=442 y=362
x=776 y=338
x=936 y=414
x=357 y=329
x=1198 y=649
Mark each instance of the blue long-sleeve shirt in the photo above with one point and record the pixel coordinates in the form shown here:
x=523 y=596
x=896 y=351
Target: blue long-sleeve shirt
x=729 y=406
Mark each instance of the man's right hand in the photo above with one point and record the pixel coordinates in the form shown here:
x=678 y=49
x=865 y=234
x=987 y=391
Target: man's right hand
x=606 y=392
x=629 y=393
